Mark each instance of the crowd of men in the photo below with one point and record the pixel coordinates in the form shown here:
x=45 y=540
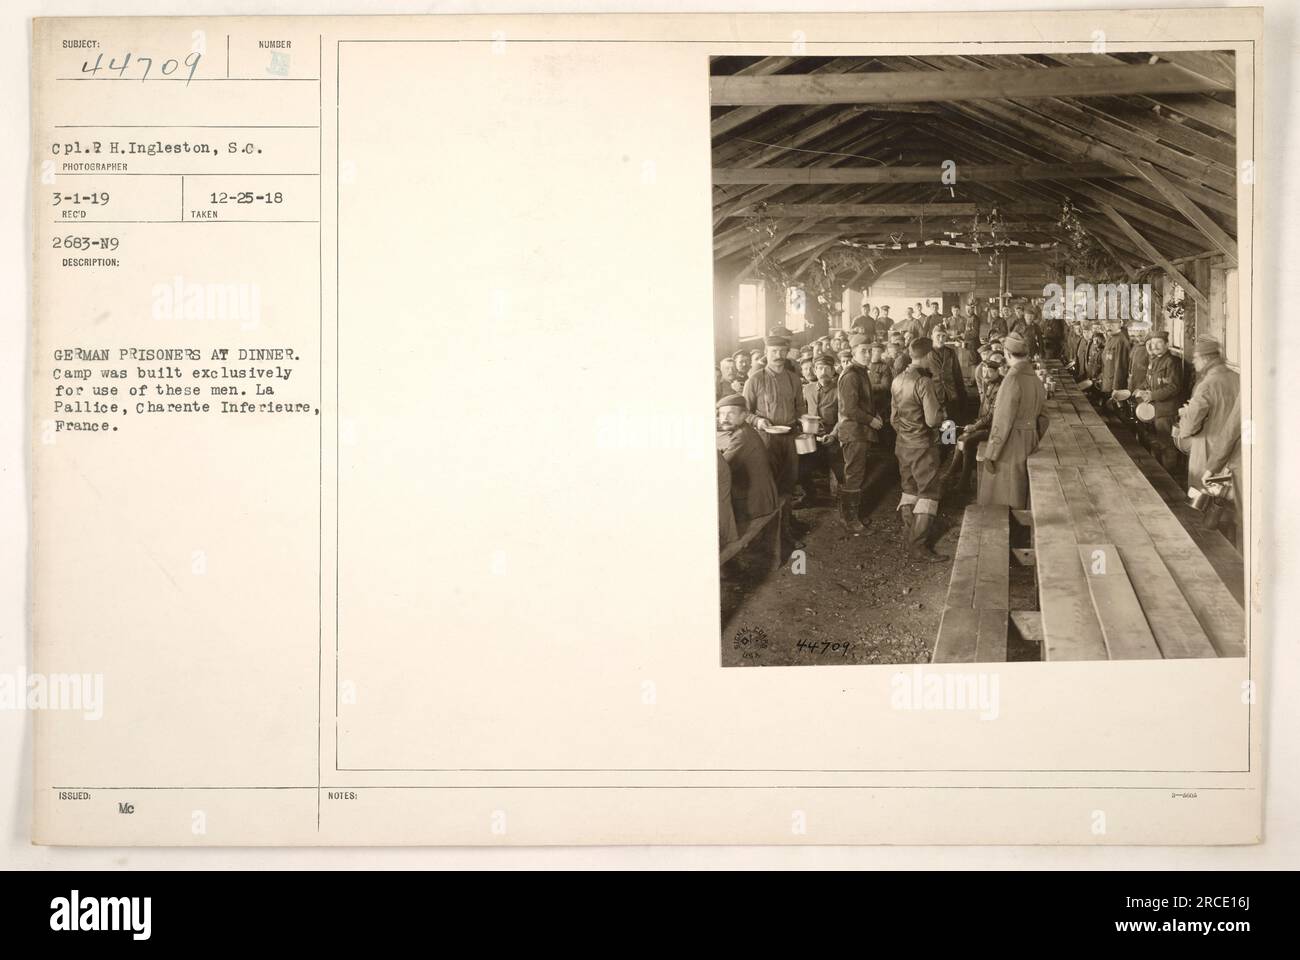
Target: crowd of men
x=925 y=387
x=930 y=388
x=1129 y=369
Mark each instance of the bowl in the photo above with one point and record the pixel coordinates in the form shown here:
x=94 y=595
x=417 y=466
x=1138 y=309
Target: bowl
x=1122 y=395
x=773 y=428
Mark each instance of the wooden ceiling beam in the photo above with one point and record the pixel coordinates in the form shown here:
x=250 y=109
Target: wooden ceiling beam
x=1191 y=211
x=1155 y=255
x=927 y=174
x=947 y=85
x=825 y=210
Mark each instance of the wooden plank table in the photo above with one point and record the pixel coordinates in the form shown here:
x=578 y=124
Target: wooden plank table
x=1165 y=591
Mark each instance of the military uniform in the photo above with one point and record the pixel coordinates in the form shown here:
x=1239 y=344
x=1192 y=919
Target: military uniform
x=726 y=513
x=1032 y=336
x=1096 y=357
x=1114 y=362
x=881 y=375
x=1137 y=367
x=1013 y=436
x=753 y=490
x=1209 y=430
x=823 y=401
x=857 y=410
x=777 y=397
x=916 y=417
x=949 y=377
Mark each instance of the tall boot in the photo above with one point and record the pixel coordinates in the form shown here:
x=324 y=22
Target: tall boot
x=849 y=503
x=950 y=476
x=918 y=547
x=905 y=516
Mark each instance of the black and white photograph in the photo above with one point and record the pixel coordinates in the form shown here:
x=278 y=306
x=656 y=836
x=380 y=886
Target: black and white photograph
x=978 y=354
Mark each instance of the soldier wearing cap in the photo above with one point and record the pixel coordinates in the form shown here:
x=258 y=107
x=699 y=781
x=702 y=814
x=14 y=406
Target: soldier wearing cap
x=881 y=373
x=948 y=376
x=916 y=418
x=1114 y=359
x=1209 y=427
x=981 y=372
x=753 y=491
x=909 y=328
x=1163 y=389
x=857 y=430
x=742 y=360
x=775 y=399
x=963 y=461
x=1014 y=431
x=999 y=324
x=1092 y=355
x=864 y=323
x=1028 y=329
x=821 y=397
x=1138 y=358
x=901 y=357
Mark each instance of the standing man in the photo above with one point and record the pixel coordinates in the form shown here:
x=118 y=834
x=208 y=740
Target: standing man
x=857 y=431
x=1053 y=330
x=774 y=396
x=741 y=360
x=726 y=373
x=998 y=326
x=947 y=374
x=916 y=419
x=1114 y=365
x=881 y=374
x=909 y=327
x=1163 y=389
x=963 y=461
x=1029 y=331
x=1014 y=431
x=1209 y=430
x=1137 y=358
x=863 y=322
x=822 y=398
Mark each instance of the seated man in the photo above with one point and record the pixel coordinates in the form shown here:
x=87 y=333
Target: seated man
x=726 y=514
x=753 y=489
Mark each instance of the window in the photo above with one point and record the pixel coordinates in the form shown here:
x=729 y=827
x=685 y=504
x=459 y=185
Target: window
x=796 y=309
x=751 y=310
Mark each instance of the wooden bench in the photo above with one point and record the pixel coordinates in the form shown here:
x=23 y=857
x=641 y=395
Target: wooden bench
x=973 y=628
x=757 y=527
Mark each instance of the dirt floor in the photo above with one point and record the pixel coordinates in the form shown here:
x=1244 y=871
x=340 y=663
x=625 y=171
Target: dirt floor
x=858 y=600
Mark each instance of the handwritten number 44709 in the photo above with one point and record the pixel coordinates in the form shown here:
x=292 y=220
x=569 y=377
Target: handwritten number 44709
x=168 y=68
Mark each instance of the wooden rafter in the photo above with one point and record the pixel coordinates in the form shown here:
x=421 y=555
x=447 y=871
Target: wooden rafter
x=1198 y=217
x=1156 y=256
x=949 y=85
x=932 y=174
